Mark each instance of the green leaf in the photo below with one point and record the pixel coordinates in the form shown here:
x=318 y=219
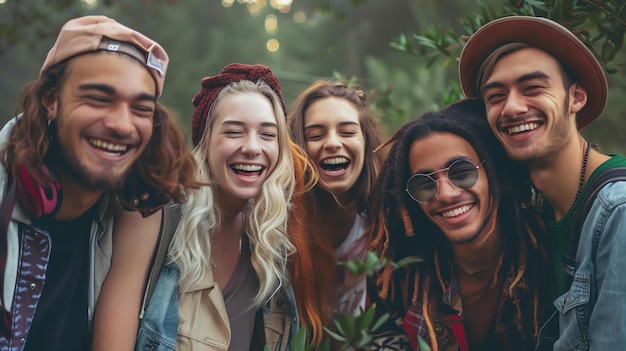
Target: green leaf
x=334 y=335
x=380 y=322
x=422 y=344
x=407 y=261
x=298 y=341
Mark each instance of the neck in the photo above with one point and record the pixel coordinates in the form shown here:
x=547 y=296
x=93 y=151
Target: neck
x=482 y=253
x=332 y=219
x=332 y=202
x=76 y=199
x=230 y=206
x=559 y=179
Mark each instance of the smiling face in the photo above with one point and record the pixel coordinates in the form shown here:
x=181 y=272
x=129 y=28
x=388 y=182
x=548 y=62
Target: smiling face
x=243 y=148
x=529 y=108
x=103 y=114
x=335 y=141
x=460 y=214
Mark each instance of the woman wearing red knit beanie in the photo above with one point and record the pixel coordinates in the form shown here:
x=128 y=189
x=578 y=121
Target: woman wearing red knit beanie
x=230 y=250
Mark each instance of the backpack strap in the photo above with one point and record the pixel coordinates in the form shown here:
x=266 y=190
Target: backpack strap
x=568 y=261
x=169 y=222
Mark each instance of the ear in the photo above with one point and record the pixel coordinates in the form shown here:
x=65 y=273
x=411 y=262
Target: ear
x=49 y=101
x=578 y=98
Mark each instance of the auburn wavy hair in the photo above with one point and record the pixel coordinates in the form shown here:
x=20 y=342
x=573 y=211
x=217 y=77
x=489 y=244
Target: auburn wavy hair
x=166 y=164
x=399 y=227
x=314 y=266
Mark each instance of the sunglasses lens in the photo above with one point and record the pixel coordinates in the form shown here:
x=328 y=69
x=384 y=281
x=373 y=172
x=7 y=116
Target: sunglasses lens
x=422 y=188
x=463 y=174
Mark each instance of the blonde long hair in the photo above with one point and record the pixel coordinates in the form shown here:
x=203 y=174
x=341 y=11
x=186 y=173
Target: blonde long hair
x=265 y=223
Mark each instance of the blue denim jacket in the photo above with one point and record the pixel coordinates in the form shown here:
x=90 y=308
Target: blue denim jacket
x=281 y=319
x=592 y=314
x=159 y=327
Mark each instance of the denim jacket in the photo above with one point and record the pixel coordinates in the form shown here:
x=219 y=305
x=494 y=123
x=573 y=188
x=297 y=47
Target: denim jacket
x=592 y=314
x=159 y=326
x=281 y=319
x=206 y=325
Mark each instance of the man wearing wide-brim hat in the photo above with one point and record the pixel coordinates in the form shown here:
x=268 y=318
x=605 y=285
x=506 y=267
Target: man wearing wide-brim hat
x=540 y=85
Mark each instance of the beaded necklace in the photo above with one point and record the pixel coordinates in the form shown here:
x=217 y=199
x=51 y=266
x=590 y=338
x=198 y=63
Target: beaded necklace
x=580 y=187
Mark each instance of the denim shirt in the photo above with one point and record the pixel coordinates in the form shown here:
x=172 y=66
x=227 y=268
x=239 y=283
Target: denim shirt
x=592 y=314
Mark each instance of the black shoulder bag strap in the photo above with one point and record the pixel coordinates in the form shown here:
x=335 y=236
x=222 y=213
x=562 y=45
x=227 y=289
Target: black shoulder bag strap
x=568 y=262
x=169 y=222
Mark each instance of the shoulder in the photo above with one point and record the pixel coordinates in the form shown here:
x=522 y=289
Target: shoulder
x=613 y=194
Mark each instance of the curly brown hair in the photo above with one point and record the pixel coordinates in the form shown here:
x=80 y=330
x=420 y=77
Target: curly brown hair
x=166 y=164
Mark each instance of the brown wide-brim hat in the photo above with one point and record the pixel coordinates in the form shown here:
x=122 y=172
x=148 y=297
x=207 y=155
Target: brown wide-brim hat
x=544 y=34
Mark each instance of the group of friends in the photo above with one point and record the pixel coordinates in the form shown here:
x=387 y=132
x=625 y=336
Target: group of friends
x=116 y=236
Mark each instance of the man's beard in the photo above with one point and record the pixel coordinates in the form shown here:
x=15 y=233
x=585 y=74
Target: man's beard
x=67 y=161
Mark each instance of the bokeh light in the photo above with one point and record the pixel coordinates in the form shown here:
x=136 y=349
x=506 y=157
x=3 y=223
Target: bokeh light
x=271 y=24
x=299 y=17
x=272 y=45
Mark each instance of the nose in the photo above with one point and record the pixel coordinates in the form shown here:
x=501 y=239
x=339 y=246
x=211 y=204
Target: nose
x=332 y=141
x=514 y=105
x=121 y=121
x=251 y=147
x=446 y=192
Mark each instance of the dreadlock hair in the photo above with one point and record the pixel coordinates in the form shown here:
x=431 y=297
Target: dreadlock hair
x=166 y=164
x=392 y=232
x=314 y=308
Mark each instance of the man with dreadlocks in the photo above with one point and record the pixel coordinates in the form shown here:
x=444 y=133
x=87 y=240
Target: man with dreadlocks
x=449 y=194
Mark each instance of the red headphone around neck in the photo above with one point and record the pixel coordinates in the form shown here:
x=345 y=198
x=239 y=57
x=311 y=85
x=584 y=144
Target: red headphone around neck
x=38 y=201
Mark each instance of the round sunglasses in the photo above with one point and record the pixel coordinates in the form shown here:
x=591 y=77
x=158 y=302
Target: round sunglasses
x=422 y=187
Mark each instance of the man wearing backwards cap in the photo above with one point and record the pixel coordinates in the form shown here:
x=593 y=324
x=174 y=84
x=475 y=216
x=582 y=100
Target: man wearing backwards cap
x=540 y=85
x=90 y=136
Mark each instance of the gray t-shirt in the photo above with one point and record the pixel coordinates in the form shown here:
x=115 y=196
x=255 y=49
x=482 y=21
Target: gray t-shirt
x=238 y=295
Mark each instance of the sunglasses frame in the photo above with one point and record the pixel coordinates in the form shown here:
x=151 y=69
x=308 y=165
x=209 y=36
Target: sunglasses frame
x=436 y=181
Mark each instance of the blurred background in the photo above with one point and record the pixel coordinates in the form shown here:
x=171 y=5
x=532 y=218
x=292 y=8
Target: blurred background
x=399 y=51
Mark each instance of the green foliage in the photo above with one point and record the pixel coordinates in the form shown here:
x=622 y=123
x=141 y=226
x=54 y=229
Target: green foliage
x=352 y=332
x=599 y=24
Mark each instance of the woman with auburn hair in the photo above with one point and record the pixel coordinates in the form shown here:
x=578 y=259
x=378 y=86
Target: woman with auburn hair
x=333 y=123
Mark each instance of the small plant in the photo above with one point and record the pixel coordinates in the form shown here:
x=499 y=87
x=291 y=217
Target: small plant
x=353 y=332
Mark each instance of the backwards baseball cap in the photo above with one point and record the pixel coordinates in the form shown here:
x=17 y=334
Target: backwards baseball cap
x=211 y=87
x=94 y=33
x=546 y=35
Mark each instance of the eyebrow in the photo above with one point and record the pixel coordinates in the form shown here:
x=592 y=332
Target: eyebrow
x=107 y=89
x=341 y=124
x=241 y=123
x=524 y=78
x=446 y=165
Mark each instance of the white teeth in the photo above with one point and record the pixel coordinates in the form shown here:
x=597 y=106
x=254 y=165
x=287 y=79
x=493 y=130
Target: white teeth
x=523 y=128
x=335 y=160
x=106 y=146
x=248 y=168
x=456 y=211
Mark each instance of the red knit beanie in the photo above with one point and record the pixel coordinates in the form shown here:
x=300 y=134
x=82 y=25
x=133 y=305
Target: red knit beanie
x=211 y=87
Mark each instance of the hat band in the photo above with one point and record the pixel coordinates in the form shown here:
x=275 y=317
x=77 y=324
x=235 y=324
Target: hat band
x=131 y=50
